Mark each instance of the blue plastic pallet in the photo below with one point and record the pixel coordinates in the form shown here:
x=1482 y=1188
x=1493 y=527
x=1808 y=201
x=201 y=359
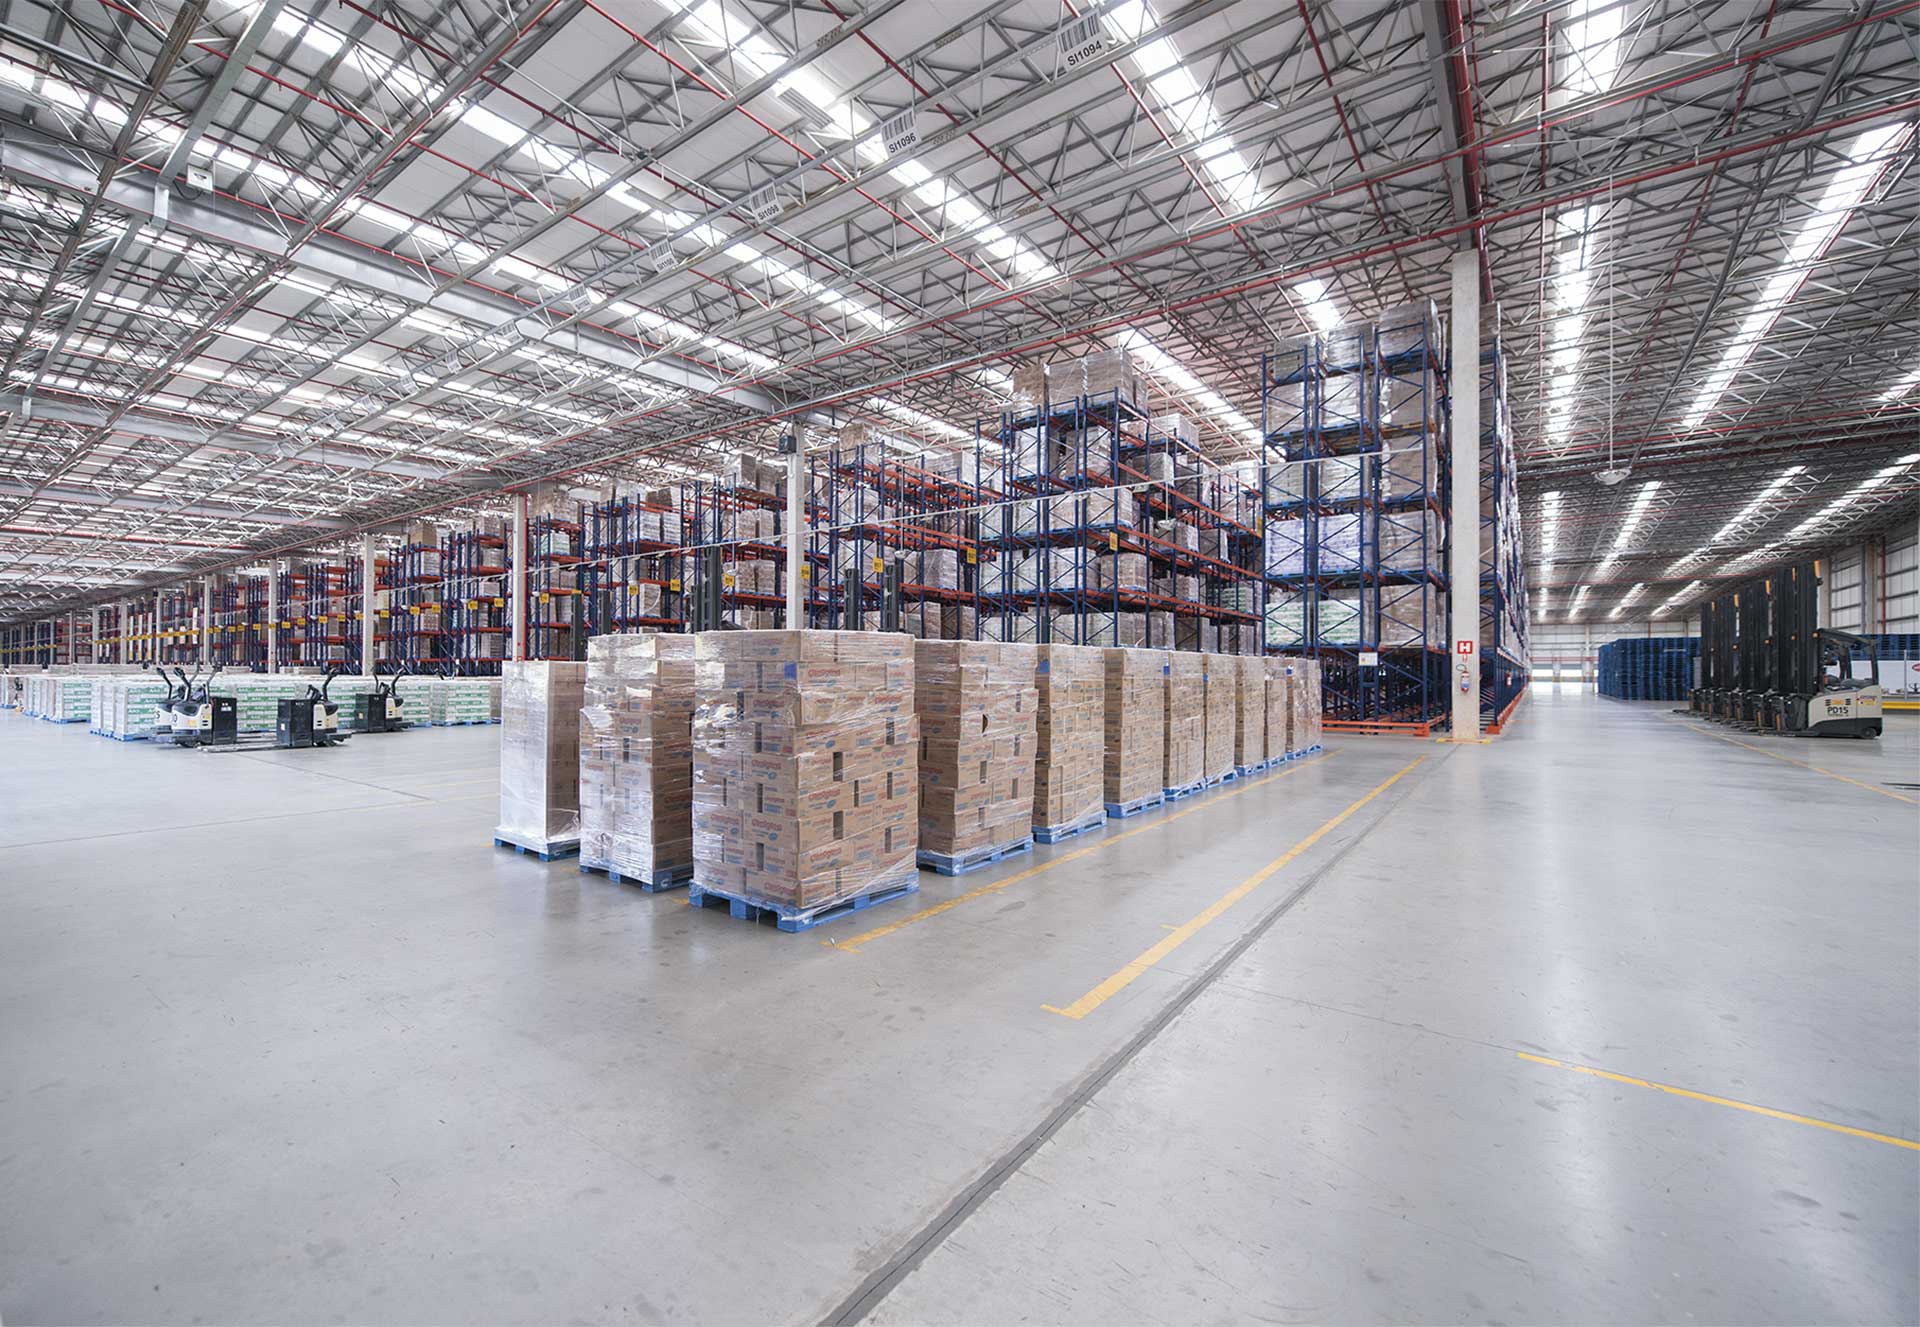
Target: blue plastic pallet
x=794 y=919
x=48 y=718
x=1184 y=790
x=1121 y=810
x=126 y=737
x=1055 y=833
x=676 y=878
x=545 y=852
x=960 y=864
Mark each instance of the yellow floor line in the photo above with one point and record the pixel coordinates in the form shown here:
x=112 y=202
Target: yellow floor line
x=852 y=944
x=1184 y=932
x=1728 y=1102
x=1722 y=737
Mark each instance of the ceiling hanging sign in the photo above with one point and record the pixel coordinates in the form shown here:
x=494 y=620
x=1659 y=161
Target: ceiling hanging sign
x=762 y=204
x=901 y=133
x=1081 y=40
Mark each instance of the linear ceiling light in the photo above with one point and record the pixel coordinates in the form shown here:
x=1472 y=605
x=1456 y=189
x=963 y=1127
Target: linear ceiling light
x=1313 y=293
x=1627 y=601
x=1635 y=514
x=1867 y=158
x=1667 y=607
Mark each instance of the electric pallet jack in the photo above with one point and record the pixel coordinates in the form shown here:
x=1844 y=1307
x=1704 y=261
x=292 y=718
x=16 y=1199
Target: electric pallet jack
x=380 y=710
x=201 y=718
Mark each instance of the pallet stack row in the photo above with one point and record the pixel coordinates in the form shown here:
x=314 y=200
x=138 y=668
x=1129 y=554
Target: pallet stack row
x=799 y=775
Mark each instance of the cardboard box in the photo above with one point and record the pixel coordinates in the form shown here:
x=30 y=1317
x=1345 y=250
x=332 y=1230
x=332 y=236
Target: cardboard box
x=1250 y=712
x=1134 y=732
x=977 y=705
x=1279 y=706
x=1184 y=679
x=539 y=751
x=636 y=757
x=805 y=771
x=1069 y=756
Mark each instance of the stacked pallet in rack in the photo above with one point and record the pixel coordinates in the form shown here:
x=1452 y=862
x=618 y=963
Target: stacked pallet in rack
x=415 y=609
x=889 y=511
x=1355 y=542
x=555 y=623
x=474 y=597
x=635 y=571
x=1505 y=655
x=742 y=516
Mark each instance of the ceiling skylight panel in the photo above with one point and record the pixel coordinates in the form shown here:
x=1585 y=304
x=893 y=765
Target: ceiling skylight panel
x=1867 y=157
x=1676 y=598
x=1186 y=103
x=1628 y=600
x=1313 y=293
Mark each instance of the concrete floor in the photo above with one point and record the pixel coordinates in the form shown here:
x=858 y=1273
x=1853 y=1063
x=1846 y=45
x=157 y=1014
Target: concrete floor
x=395 y=1075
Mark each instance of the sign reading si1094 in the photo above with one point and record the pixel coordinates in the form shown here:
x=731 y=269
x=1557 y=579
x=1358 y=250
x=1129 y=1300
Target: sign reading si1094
x=1081 y=40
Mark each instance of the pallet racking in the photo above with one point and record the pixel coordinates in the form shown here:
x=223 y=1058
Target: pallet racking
x=1505 y=656
x=553 y=591
x=635 y=565
x=474 y=598
x=1355 y=537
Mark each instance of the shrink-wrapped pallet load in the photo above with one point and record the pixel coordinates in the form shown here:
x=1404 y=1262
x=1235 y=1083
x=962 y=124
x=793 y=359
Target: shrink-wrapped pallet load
x=1250 y=712
x=1069 y=755
x=540 y=755
x=976 y=703
x=1220 y=693
x=1279 y=706
x=1134 y=728
x=636 y=758
x=1306 y=703
x=1186 y=737
x=805 y=768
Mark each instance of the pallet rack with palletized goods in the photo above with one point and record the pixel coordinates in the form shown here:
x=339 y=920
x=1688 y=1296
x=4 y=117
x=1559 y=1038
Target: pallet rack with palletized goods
x=1505 y=655
x=555 y=623
x=414 y=610
x=888 y=506
x=634 y=571
x=177 y=633
x=743 y=517
x=1355 y=546
x=474 y=598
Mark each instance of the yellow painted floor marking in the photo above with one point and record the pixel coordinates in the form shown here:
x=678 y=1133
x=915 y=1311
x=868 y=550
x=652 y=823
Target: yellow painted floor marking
x=853 y=943
x=1722 y=737
x=1184 y=932
x=1728 y=1102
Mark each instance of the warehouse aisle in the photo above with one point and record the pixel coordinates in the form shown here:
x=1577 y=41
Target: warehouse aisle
x=321 y=1051
x=1347 y=1126
x=324 y=1046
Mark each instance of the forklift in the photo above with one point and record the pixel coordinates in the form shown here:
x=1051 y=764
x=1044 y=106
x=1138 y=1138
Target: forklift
x=1766 y=668
x=310 y=720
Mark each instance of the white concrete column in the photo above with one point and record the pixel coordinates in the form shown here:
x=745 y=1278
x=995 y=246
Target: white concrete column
x=367 y=617
x=1464 y=417
x=206 y=620
x=121 y=647
x=796 y=537
x=273 y=615
x=153 y=646
x=517 y=577
x=93 y=636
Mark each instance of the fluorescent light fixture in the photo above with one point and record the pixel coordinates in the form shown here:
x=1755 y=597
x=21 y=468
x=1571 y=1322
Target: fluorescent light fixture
x=1667 y=607
x=1313 y=293
x=1635 y=514
x=1578 y=599
x=1900 y=386
x=1187 y=103
x=1627 y=600
x=1867 y=158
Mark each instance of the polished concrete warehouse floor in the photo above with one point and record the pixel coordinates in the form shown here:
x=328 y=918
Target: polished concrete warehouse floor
x=282 y=1037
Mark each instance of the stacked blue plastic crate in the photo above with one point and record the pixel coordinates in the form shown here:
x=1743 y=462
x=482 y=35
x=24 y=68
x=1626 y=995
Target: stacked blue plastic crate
x=1650 y=668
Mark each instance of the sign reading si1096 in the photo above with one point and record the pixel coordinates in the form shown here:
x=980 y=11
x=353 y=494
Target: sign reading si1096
x=901 y=133
x=1081 y=40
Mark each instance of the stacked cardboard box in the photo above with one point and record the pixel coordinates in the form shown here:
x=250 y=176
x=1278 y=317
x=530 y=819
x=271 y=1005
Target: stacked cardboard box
x=1305 y=699
x=976 y=704
x=1135 y=732
x=1186 y=741
x=540 y=753
x=1250 y=712
x=1070 y=683
x=636 y=757
x=1220 y=692
x=1279 y=706
x=805 y=766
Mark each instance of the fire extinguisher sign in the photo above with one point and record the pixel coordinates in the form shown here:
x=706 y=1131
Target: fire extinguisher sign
x=1463 y=647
